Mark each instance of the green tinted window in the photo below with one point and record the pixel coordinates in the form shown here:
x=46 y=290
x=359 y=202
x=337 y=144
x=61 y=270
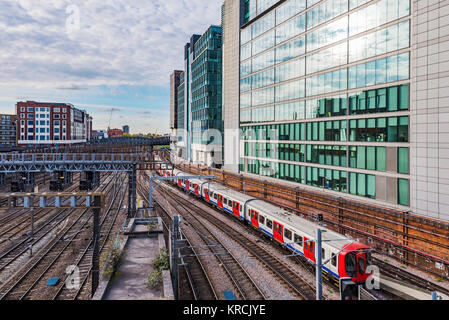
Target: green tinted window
x=353 y=157
x=309 y=131
x=403 y=129
x=382 y=98
x=371 y=186
x=404 y=93
x=353 y=183
x=393 y=99
x=361 y=157
x=403 y=161
x=381 y=158
x=315 y=131
x=321 y=131
x=392 y=129
x=343 y=181
x=361 y=185
x=371 y=158
x=403 y=192
x=372 y=100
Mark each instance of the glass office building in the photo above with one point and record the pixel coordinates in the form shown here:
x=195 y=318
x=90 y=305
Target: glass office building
x=200 y=99
x=325 y=95
x=207 y=85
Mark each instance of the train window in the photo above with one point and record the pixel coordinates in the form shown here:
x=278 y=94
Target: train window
x=288 y=234
x=298 y=240
x=215 y=196
x=334 y=260
x=306 y=246
x=262 y=219
x=225 y=201
x=241 y=209
x=351 y=264
x=269 y=223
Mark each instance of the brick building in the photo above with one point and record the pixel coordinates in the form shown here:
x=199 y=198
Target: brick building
x=115 y=133
x=44 y=123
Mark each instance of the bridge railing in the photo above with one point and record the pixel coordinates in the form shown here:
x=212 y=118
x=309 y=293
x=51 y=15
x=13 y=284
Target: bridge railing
x=70 y=158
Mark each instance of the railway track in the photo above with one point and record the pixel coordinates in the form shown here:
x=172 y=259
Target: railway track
x=195 y=282
x=22 y=245
x=22 y=285
x=298 y=286
x=5 y=215
x=83 y=262
x=391 y=235
x=20 y=220
x=408 y=277
x=196 y=279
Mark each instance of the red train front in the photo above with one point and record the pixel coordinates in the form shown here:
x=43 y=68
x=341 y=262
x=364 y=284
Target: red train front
x=353 y=262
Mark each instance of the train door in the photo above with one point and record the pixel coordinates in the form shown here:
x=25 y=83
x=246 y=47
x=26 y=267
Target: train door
x=180 y=183
x=309 y=249
x=236 y=208
x=254 y=218
x=278 y=231
x=206 y=195
x=197 y=190
x=188 y=185
x=220 y=201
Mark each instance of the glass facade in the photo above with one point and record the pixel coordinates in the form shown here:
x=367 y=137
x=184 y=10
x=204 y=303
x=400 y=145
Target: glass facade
x=181 y=103
x=206 y=87
x=325 y=92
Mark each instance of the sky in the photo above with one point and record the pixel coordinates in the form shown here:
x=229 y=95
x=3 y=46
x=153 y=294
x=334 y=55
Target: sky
x=112 y=58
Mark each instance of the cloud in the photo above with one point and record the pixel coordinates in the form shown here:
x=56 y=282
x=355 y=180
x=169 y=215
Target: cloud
x=120 y=45
x=72 y=87
x=145 y=114
x=111 y=109
x=119 y=42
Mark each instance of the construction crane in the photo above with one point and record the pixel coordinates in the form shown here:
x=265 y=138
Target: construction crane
x=110 y=117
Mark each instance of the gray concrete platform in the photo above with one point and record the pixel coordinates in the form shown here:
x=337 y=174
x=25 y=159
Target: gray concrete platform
x=130 y=278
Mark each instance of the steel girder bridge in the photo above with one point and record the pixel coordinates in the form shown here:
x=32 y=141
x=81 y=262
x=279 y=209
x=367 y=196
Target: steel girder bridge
x=74 y=162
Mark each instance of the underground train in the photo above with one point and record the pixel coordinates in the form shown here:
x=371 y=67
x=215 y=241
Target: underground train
x=343 y=259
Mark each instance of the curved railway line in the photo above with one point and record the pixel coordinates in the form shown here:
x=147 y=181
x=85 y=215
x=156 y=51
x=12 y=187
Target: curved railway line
x=298 y=286
x=244 y=285
x=28 y=280
x=196 y=283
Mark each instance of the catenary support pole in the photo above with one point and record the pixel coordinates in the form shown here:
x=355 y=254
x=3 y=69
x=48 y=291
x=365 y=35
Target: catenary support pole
x=95 y=254
x=175 y=255
x=319 y=283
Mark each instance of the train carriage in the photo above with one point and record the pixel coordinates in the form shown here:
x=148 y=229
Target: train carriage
x=344 y=259
x=230 y=201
